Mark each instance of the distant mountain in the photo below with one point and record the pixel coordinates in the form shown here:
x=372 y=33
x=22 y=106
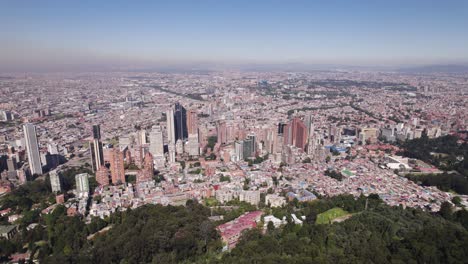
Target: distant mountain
x=449 y=68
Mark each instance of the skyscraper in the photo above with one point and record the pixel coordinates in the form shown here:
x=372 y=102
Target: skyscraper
x=55 y=181
x=82 y=183
x=102 y=176
x=97 y=132
x=180 y=114
x=156 y=142
x=222 y=132
x=116 y=162
x=239 y=149
x=170 y=126
x=97 y=156
x=32 y=148
x=192 y=122
x=295 y=133
x=249 y=147
x=146 y=174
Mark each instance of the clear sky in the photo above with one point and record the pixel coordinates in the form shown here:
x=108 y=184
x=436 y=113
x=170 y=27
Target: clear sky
x=379 y=32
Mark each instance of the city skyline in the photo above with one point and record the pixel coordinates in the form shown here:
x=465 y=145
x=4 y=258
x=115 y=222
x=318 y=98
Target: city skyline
x=53 y=35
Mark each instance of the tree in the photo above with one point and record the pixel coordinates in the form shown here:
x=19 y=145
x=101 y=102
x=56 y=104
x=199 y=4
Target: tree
x=270 y=226
x=446 y=210
x=456 y=200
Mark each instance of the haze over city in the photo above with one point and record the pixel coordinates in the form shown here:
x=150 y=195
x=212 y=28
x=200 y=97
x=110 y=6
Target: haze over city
x=54 y=35
x=232 y=132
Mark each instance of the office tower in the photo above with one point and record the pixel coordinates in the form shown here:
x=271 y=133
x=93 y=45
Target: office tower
x=193 y=147
x=239 y=149
x=170 y=127
x=249 y=147
x=142 y=137
x=11 y=164
x=281 y=127
x=146 y=174
x=97 y=156
x=3 y=163
x=82 y=183
x=308 y=123
x=295 y=134
x=179 y=147
x=55 y=181
x=115 y=158
x=172 y=152
x=180 y=116
x=32 y=148
x=156 y=142
x=222 y=132
x=192 y=122
x=102 y=176
x=97 y=132
x=137 y=154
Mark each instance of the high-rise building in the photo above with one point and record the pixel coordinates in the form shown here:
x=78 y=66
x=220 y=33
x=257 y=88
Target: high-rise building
x=146 y=174
x=170 y=126
x=249 y=147
x=192 y=122
x=116 y=162
x=32 y=148
x=95 y=146
x=11 y=164
x=222 y=132
x=193 y=147
x=239 y=149
x=172 y=152
x=102 y=176
x=156 y=142
x=55 y=181
x=97 y=156
x=180 y=116
x=295 y=134
x=82 y=183
x=97 y=132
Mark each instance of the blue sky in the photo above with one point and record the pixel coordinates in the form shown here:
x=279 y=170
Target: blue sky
x=373 y=32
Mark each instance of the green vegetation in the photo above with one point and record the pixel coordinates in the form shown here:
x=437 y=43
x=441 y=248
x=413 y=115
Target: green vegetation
x=377 y=233
x=447 y=155
x=445 y=182
x=333 y=174
x=25 y=196
x=328 y=216
x=223 y=178
x=211 y=142
x=196 y=171
x=68 y=178
x=380 y=234
x=421 y=148
x=210 y=201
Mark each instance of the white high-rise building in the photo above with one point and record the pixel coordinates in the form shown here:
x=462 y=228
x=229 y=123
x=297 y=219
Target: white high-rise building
x=82 y=183
x=239 y=149
x=170 y=126
x=32 y=148
x=172 y=152
x=156 y=142
x=55 y=182
x=193 y=147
